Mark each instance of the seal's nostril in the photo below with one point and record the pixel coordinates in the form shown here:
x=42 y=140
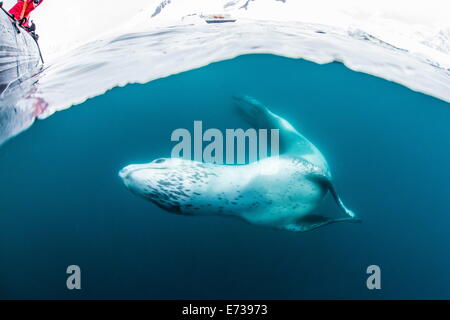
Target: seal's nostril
x=123 y=173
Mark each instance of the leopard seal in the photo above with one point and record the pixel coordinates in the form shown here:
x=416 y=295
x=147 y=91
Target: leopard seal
x=280 y=192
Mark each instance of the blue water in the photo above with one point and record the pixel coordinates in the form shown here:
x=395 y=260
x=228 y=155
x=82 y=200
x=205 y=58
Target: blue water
x=62 y=202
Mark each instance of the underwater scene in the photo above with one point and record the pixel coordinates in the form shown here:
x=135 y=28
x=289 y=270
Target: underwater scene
x=380 y=164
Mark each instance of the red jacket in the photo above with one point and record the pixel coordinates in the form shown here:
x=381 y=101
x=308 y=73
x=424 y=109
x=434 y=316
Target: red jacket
x=18 y=10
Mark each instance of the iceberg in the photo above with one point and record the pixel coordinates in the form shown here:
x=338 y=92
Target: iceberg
x=19 y=52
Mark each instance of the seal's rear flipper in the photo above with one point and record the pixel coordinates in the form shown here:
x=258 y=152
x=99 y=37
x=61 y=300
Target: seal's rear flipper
x=291 y=141
x=259 y=116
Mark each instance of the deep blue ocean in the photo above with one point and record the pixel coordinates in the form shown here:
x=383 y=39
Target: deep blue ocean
x=62 y=202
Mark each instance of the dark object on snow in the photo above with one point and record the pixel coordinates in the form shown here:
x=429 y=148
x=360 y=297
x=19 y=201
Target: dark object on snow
x=31 y=28
x=219 y=18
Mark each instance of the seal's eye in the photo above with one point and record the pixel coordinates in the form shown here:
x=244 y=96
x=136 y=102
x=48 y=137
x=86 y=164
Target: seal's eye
x=159 y=161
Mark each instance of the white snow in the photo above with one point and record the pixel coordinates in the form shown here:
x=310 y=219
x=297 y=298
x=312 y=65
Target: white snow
x=420 y=26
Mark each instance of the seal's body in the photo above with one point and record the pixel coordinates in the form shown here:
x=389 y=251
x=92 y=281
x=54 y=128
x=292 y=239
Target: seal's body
x=280 y=192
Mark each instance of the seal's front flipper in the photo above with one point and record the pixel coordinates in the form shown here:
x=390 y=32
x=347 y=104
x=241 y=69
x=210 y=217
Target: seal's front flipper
x=326 y=182
x=339 y=201
x=312 y=222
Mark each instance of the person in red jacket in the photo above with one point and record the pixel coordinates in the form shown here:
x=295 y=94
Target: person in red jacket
x=22 y=9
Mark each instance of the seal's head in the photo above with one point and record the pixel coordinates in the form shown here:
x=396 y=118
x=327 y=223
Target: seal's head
x=167 y=182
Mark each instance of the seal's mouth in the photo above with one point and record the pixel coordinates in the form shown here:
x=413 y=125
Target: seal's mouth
x=128 y=170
